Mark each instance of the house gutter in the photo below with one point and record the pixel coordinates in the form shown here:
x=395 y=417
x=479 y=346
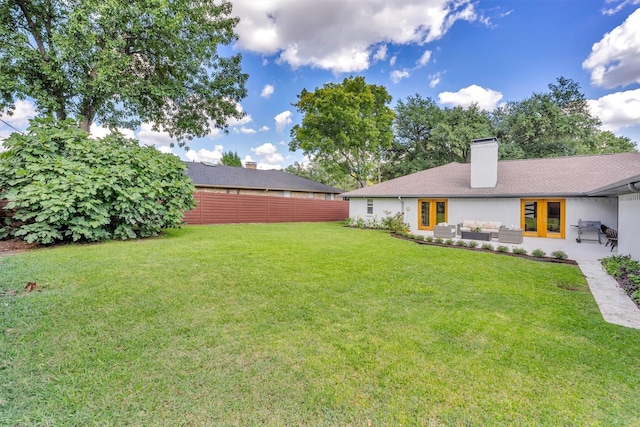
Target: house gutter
x=632 y=187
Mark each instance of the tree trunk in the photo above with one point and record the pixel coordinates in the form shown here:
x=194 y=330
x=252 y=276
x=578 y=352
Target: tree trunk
x=85 y=124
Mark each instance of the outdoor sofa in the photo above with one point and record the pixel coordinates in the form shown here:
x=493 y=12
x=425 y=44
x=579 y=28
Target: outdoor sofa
x=484 y=227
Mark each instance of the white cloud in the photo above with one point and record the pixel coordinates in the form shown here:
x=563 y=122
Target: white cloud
x=617 y=110
x=265 y=149
x=264 y=128
x=434 y=80
x=619 y=7
x=424 y=59
x=381 y=53
x=147 y=136
x=341 y=36
x=247 y=131
x=4 y=134
x=392 y=60
x=232 y=121
x=267 y=91
x=98 y=131
x=486 y=99
x=282 y=120
x=615 y=60
x=166 y=150
x=204 y=155
x=23 y=112
x=270 y=158
x=397 y=75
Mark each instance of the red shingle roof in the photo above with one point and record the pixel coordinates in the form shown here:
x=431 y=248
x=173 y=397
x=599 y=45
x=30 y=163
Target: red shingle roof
x=557 y=176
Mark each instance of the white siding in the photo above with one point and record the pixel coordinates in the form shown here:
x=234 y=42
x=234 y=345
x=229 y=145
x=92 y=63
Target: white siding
x=628 y=229
x=358 y=207
x=603 y=209
x=505 y=210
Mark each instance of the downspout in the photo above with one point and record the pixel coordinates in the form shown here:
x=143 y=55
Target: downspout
x=632 y=187
x=401 y=205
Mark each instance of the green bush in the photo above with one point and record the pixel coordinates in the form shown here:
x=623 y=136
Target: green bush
x=64 y=186
x=438 y=240
x=461 y=243
x=519 y=251
x=487 y=246
x=472 y=244
x=448 y=242
x=559 y=254
x=626 y=271
x=429 y=239
x=538 y=253
x=503 y=249
x=395 y=223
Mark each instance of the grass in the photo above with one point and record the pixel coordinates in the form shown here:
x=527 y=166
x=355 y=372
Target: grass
x=305 y=324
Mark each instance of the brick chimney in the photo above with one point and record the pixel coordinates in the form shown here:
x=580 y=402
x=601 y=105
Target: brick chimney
x=250 y=165
x=484 y=163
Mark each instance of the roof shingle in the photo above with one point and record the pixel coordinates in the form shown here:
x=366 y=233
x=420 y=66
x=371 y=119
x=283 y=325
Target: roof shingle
x=557 y=176
x=209 y=175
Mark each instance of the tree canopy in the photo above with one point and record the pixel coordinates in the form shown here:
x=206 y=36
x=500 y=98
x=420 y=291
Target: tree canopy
x=427 y=136
x=62 y=185
x=230 y=158
x=123 y=63
x=548 y=124
x=345 y=127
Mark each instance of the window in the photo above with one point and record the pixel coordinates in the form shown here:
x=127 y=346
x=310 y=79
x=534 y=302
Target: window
x=369 y=206
x=431 y=212
x=328 y=196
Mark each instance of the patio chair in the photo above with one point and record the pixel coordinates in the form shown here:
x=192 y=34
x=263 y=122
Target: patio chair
x=611 y=234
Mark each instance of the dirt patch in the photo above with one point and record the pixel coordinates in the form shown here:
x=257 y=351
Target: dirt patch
x=13 y=246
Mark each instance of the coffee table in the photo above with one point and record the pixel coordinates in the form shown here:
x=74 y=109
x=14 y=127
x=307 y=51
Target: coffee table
x=476 y=235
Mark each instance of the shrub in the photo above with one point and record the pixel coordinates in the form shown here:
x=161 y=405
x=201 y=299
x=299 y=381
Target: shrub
x=519 y=251
x=448 y=242
x=64 y=186
x=502 y=249
x=487 y=246
x=420 y=237
x=461 y=243
x=349 y=222
x=538 y=253
x=395 y=223
x=626 y=271
x=429 y=239
x=559 y=255
x=472 y=244
x=438 y=240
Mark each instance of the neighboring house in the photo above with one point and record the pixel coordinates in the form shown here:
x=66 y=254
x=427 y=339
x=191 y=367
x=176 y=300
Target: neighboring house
x=542 y=196
x=227 y=194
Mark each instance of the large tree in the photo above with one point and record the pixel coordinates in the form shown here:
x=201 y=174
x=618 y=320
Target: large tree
x=345 y=127
x=315 y=172
x=554 y=123
x=427 y=136
x=122 y=62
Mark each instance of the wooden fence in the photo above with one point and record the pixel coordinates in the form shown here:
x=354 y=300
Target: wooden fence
x=216 y=208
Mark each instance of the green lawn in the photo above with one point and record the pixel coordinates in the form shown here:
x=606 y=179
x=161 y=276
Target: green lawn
x=305 y=324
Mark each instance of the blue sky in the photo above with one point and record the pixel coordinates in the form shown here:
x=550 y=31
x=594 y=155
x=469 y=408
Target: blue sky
x=456 y=52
